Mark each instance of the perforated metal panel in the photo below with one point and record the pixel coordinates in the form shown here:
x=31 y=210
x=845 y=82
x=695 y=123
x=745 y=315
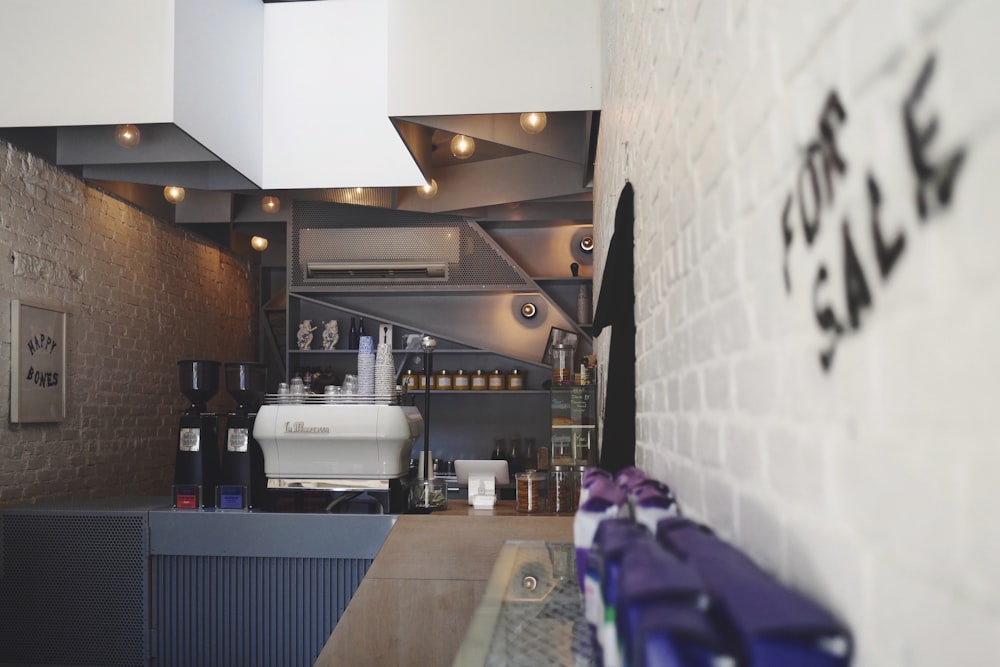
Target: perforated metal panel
x=224 y=611
x=381 y=197
x=322 y=232
x=73 y=589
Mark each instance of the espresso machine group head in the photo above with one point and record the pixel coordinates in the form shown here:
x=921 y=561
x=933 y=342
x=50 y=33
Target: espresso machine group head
x=243 y=484
x=196 y=473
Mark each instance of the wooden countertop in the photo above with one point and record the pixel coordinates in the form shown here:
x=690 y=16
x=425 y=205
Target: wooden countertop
x=415 y=603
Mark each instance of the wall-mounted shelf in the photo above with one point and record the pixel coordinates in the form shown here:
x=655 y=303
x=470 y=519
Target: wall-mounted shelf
x=480 y=394
x=564 y=292
x=470 y=420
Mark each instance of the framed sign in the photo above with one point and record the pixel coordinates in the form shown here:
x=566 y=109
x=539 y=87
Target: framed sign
x=37 y=363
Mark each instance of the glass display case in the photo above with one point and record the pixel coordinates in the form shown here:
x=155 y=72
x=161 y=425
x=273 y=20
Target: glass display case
x=531 y=613
x=574 y=425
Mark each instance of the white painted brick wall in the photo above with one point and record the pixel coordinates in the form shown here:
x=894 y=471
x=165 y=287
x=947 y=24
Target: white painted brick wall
x=871 y=486
x=140 y=295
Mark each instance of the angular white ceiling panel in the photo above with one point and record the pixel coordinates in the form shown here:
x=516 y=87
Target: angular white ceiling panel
x=462 y=57
x=325 y=118
x=86 y=63
x=219 y=63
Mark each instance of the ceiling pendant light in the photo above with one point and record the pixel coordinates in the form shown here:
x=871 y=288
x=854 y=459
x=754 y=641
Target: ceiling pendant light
x=258 y=243
x=533 y=122
x=127 y=135
x=428 y=190
x=462 y=146
x=270 y=204
x=173 y=194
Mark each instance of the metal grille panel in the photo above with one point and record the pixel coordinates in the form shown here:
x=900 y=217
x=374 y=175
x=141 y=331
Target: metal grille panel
x=370 y=196
x=73 y=589
x=222 y=611
x=325 y=232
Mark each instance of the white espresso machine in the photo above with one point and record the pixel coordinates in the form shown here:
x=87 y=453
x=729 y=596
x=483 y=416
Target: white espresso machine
x=350 y=444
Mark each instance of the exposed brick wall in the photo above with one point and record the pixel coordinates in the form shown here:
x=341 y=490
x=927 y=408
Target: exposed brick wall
x=870 y=484
x=140 y=294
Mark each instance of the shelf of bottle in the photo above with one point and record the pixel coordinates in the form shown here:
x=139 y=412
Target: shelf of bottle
x=480 y=392
x=573 y=426
x=562 y=280
x=435 y=353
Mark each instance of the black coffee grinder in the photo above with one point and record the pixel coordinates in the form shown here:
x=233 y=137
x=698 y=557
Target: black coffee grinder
x=196 y=472
x=243 y=485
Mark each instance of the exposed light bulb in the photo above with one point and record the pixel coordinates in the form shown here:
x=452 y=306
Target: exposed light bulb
x=462 y=146
x=258 y=243
x=270 y=204
x=533 y=122
x=127 y=135
x=173 y=194
x=428 y=190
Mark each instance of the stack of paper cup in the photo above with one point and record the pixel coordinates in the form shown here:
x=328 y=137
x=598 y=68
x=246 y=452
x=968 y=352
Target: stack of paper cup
x=366 y=366
x=385 y=371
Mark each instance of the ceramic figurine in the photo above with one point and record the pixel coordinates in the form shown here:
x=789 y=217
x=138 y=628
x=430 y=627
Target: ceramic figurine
x=331 y=334
x=305 y=336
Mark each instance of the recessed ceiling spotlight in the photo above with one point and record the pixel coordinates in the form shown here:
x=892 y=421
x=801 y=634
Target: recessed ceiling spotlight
x=127 y=135
x=428 y=190
x=587 y=244
x=462 y=146
x=270 y=204
x=528 y=310
x=533 y=122
x=173 y=194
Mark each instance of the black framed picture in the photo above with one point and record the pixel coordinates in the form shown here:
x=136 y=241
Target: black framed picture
x=558 y=336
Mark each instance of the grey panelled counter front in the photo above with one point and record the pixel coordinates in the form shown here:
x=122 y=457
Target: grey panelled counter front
x=133 y=582
x=414 y=606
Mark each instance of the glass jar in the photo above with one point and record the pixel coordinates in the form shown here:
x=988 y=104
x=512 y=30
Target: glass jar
x=530 y=494
x=562 y=364
x=479 y=381
x=562 y=489
x=578 y=472
x=422 y=381
x=460 y=381
x=515 y=380
x=497 y=380
x=429 y=494
x=409 y=379
x=442 y=380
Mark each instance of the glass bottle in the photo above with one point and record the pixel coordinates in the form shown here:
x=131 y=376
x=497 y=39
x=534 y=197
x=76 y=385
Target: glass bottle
x=515 y=380
x=499 y=449
x=479 y=381
x=352 y=336
x=410 y=379
x=515 y=462
x=530 y=455
x=443 y=380
x=497 y=380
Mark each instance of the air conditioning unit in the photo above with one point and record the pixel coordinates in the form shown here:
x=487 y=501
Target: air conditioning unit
x=383 y=270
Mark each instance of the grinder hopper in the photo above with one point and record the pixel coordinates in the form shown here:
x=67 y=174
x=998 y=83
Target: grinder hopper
x=199 y=381
x=245 y=382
